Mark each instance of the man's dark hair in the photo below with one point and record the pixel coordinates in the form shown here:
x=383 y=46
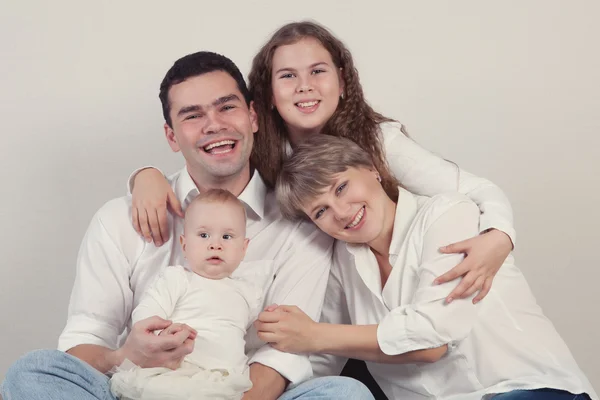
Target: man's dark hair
x=197 y=64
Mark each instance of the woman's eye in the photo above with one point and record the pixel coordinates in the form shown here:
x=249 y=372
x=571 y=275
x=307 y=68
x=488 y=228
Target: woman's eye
x=318 y=71
x=340 y=188
x=319 y=213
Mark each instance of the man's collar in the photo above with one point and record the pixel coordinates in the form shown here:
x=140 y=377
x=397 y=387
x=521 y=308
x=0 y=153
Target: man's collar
x=253 y=196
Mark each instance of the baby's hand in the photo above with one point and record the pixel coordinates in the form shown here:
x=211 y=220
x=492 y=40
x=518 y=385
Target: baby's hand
x=176 y=328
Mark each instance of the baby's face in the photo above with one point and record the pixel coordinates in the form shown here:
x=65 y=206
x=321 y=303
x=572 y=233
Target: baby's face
x=214 y=239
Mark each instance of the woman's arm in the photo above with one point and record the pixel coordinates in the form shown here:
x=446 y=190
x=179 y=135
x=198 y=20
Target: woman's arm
x=425 y=173
x=421 y=331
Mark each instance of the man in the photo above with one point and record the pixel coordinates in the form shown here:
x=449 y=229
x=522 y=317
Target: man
x=210 y=119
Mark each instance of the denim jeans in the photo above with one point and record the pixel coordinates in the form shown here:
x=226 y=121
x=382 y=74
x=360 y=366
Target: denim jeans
x=543 y=394
x=55 y=375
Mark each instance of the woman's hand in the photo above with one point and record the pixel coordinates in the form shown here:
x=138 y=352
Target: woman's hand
x=287 y=328
x=151 y=195
x=485 y=254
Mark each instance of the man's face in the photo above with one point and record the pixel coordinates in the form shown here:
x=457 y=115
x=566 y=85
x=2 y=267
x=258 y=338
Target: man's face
x=211 y=125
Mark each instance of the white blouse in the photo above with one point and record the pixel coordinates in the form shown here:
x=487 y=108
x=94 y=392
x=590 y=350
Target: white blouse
x=501 y=344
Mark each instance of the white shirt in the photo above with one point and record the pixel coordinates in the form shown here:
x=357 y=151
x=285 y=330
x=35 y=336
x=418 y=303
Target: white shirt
x=115 y=266
x=502 y=344
x=424 y=173
x=220 y=310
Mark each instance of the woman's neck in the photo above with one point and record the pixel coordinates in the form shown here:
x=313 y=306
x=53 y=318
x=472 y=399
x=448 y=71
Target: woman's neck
x=381 y=244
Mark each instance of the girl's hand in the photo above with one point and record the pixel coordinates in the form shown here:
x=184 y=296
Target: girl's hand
x=485 y=254
x=151 y=195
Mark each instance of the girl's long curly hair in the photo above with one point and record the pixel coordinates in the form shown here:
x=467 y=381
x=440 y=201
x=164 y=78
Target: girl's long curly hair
x=353 y=119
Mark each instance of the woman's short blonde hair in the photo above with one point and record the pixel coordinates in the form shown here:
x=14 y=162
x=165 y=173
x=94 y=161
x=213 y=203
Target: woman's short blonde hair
x=313 y=166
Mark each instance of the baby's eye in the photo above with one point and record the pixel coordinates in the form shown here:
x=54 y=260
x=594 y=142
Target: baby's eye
x=227 y=236
x=204 y=235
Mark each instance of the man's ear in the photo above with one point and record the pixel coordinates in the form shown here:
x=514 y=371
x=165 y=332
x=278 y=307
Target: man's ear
x=171 y=138
x=253 y=117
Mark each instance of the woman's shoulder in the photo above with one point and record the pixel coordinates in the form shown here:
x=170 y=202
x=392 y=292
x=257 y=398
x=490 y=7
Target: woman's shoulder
x=430 y=209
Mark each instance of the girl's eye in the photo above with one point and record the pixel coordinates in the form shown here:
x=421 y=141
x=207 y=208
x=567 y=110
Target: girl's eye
x=227 y=237
x=340 y=188
x=318 y=71
x=288 y=75
x=204 y=235
x=319 y=213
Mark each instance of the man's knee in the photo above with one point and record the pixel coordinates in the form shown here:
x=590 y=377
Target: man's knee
x=33 y=363
x=343 y=387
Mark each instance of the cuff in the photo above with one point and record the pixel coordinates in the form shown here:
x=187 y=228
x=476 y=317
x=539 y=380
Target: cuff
x=293 y=367
x=82 y=329
x=394 y=338
x=485 y=224
x=133 y=175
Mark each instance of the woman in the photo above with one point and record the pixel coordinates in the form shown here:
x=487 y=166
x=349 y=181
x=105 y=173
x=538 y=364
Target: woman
x=381 y=306
x=303 y=82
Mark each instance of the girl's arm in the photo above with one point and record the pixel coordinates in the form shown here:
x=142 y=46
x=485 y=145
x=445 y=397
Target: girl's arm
x=425 y=173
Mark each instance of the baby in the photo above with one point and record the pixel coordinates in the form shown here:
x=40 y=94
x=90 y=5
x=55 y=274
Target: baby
x=204 y=296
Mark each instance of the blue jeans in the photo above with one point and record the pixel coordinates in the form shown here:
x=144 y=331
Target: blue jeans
x=543 y=394
x=55 y=375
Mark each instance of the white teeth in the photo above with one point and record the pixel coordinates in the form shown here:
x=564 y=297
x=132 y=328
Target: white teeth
x=357 y=219
x=217 y=144
x=308 y=104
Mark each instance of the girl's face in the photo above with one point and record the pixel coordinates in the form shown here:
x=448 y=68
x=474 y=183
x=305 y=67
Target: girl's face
x=306 y=87
x=353 y=209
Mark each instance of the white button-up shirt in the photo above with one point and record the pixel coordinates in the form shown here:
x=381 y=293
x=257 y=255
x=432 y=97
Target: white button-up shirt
x=502 y=344
x=115 y=266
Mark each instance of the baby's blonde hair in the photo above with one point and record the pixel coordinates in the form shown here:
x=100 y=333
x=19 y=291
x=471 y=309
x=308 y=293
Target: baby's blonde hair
x=216 y=196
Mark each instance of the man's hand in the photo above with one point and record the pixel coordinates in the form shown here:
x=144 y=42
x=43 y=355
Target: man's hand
x=168 y=349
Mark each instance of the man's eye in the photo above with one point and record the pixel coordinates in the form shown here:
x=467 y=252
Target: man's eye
x=227 y=108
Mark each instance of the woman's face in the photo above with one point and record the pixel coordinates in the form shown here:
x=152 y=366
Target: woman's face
x=306 y=87
x=353 y=208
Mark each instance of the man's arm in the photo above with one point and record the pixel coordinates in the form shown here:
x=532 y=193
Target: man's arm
x=301 y=280
x=101 y=298
x=266 y=383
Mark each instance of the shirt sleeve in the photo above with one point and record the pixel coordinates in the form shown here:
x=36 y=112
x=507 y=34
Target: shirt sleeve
x=134 y=174
x=335 y=311
x=425 y=173
x=301 y=280
x=428 y=321
x=101 y=299
x=161 y=298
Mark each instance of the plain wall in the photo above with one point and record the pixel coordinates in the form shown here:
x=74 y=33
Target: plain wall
x=507 y=89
